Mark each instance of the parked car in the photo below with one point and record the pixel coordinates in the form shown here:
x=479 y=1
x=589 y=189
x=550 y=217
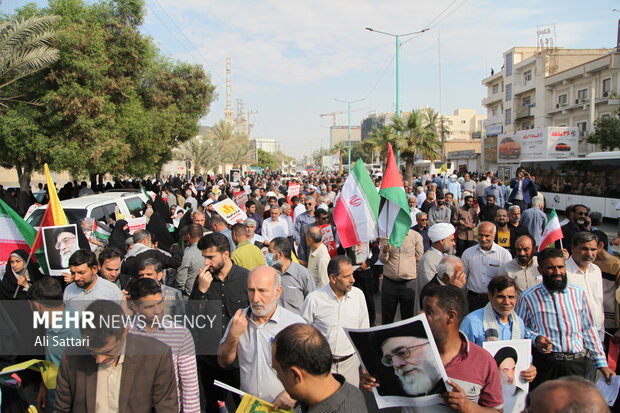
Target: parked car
x=98 y=206
x=508 y=149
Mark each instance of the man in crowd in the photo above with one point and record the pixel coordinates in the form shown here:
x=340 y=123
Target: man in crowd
x=534 y=218
x=577 y=221
x=422 y=228
x=192 y=263
x=442 y=238
x=249 y=335
x=250 y=232
x=302 y=359
x=523 y=269
x=517 y=229
x=440 y=212
x=172 y=298
x=565 y=338
x=468 y=184
x=482 y=263
x=420 y=197
x=222 y=286
x=496 y=191
x=275 y=226
x=110 y=267
x=472 y=371
x=570 y=393
x=480 y=188
x=336 y=306
x=218 y=224
x=302 y=223
x=143 y=248
x=246 y=255
x=148 y=302
x=610 y=270
x=319 y=256
x=582 y=272
x=413 y=210
x=465 y=220
x=87 y=285
x=297 y=281
x=522 y=189
x=450 y=271
x=250 y=210
x=399 y=272
x=92 y=382
x=488 y=211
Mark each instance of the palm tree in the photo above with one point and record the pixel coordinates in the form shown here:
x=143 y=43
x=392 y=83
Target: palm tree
x=418 y=136
x=25 y=49
x=199 y=152
x=239 y=154
x=380 y=138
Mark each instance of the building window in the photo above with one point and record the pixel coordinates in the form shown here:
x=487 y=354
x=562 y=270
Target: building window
x=494 y=111
x=526 y=101
x=509 y=64
x=606 y=87
x=582 y=95
x=563 y=100
x=495 y=88
x=527 y=76
x=508 y=116
x=583 y=127
x=606 y=115
x=508 y=92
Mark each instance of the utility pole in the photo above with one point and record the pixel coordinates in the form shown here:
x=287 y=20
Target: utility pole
x=349 y=124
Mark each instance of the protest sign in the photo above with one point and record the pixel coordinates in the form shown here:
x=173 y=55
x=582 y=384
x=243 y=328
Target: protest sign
x=241 y=198
x=135 y=224
x=230 y=211
x=59 y=243
x=328 y=239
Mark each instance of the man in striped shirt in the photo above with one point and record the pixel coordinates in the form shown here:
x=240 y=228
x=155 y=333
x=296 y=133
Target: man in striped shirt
x=565 y=337
x=148 y=305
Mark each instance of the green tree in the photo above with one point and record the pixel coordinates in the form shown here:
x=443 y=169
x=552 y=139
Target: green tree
x=110 y=104
x=379 y=138
x=266 y=160
x=418 y=137
x=606 y=132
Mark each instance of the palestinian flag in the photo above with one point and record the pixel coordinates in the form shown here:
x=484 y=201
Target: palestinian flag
x=551 y=233
x=99 y=232
x=394 y=218
x=355 y=214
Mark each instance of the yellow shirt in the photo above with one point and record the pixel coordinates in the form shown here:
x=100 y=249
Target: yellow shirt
x=503 y=238
x=247 y=255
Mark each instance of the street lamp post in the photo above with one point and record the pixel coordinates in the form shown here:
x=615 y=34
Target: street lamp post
x=349 y=123
x=397 y=37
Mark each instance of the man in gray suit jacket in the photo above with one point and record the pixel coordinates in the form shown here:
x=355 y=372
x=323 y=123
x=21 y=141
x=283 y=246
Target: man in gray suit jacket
x=115 y=371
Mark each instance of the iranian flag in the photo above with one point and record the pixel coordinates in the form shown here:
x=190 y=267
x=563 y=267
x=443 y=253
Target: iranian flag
x=356 y=210
x=394 y=218
x=15 y=233
x=552 y=231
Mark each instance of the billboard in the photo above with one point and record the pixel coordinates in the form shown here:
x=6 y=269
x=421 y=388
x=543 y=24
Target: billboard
x=539 y=143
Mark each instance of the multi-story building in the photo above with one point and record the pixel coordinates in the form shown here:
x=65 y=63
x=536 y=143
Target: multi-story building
x=341 y=134
x=517 y=95
x=268 y=145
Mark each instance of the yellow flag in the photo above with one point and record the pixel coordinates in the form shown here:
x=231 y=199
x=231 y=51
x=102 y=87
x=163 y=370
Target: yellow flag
x=48 y=370
x=58 y=213
x=251 y=404
x=443 y=168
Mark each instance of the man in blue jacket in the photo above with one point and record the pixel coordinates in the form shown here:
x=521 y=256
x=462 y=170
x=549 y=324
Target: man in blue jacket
x=522 y=189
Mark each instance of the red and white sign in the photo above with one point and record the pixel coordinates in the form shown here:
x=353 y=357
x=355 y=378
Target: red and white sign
x=135 y=224
x=241 y=198
x=294 y=188
x=328 y=239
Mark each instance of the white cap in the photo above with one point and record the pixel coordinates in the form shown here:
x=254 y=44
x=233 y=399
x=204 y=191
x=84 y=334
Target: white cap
x=440 y=231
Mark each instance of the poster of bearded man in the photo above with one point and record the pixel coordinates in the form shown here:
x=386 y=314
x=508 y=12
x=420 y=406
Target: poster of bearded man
x=512 y=357
x=403 y=357
x=59 y=243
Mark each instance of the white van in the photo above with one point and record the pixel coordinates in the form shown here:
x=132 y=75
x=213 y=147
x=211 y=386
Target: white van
x=98 y=206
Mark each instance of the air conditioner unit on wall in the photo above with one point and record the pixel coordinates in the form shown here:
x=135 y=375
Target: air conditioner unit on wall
x=606 y=94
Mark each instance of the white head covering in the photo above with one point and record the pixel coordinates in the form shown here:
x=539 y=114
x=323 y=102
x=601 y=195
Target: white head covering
x=440 y=231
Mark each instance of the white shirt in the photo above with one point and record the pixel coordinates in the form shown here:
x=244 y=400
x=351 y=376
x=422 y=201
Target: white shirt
x=273 y=229
x=481 y=266
x=78 y=298
x=519 y=189
x=413 y=212
x=299 y=209
x=317 y=265
x=420 y=198
x=591 y=281
x=254 y=353
x=330 y=315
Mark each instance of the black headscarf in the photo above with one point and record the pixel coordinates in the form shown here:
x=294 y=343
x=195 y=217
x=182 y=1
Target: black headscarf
x=119 y=235
x=158 y=227
x=9 y=282
x=160 y=207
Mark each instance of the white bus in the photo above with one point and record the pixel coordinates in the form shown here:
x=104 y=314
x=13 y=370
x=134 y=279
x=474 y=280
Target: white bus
x=593 y=181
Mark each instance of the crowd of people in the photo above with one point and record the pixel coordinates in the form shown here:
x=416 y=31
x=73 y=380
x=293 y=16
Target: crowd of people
x=277 y=298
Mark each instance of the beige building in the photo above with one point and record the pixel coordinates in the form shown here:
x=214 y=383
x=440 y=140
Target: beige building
x=464 y=124
x=518 y=95
x=341 y=134
x=268 y=145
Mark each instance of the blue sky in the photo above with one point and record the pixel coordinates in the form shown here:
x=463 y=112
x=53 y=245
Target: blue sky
x=290 y=59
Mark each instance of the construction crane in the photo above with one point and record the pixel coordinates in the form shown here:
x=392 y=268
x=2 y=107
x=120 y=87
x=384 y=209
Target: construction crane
x=340 y=112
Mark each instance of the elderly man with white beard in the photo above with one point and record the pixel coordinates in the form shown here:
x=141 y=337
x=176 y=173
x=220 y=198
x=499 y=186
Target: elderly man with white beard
x=66 y=244
x=249 y=335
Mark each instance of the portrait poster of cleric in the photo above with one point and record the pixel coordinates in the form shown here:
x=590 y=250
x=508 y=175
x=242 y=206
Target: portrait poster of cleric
x=403 y=357
x=512 y=357
x=59 y=244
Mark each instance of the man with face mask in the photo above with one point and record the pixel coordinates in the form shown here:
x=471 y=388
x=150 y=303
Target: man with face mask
x=495 y=190
x=297 y=281
x=565 y=338
x=454 y=187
